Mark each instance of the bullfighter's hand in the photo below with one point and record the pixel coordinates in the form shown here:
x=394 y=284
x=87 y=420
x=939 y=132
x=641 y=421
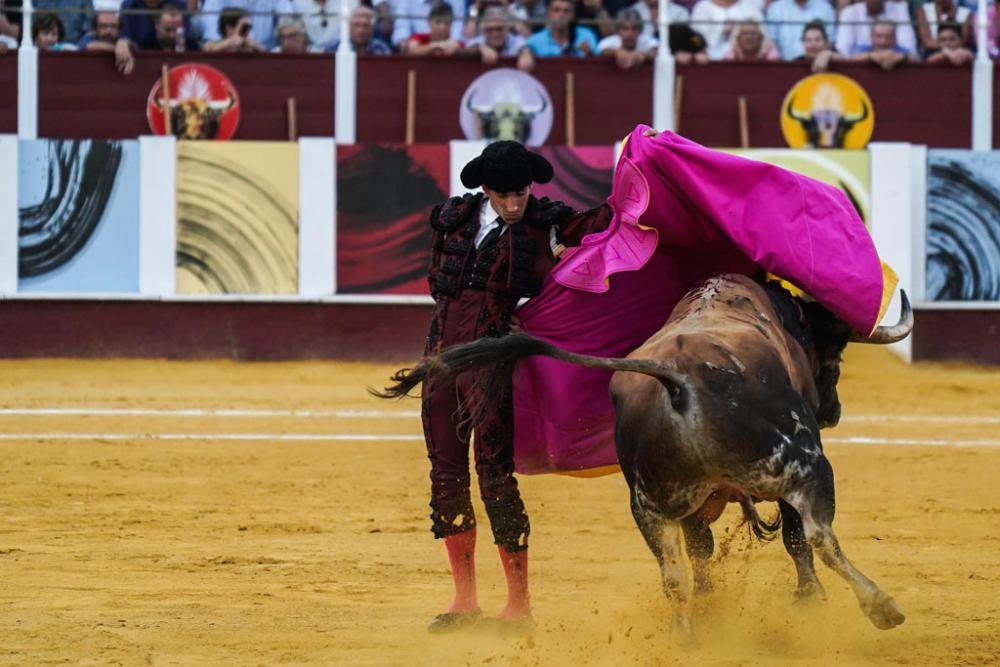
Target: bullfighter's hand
x=650 y=132
x=515 y=324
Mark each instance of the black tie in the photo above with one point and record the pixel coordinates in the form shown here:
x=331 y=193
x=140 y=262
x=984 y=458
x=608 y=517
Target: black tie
x=492 y=236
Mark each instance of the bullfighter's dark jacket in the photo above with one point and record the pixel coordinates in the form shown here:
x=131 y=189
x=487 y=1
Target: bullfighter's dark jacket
x=476 y=291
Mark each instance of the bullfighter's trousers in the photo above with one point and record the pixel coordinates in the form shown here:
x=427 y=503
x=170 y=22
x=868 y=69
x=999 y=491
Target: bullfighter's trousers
x=445 y=413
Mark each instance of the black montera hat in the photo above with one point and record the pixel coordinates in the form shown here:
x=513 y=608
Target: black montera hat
x=506 y=166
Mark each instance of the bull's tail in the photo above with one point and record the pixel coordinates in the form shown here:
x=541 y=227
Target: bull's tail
x=504 y=352
x=764 y=531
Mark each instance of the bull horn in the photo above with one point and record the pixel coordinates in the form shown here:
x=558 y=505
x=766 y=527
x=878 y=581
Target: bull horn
x=222 y=106
x=893 y=334
x=801 y=117
x=854 y=119
x=540 y=107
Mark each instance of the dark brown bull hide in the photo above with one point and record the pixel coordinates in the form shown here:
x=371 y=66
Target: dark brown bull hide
x=721 y=404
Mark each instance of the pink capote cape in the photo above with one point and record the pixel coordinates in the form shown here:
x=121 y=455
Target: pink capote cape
x=682 y=214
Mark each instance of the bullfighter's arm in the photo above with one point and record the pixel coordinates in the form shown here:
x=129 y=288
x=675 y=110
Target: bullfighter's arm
x=581 y=223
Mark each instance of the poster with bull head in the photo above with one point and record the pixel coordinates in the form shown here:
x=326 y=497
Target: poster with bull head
x=827 y=111
x=202 y=103
x=506 y=104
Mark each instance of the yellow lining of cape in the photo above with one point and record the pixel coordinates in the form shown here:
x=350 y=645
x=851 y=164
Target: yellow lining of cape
x=889 y=282
x=592 y=472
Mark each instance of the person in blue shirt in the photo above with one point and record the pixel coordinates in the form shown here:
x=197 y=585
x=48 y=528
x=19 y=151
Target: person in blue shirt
x=785 y=19
x=561 y=36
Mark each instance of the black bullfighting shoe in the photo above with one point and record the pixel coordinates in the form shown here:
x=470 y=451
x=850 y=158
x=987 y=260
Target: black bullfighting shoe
x=454 y=622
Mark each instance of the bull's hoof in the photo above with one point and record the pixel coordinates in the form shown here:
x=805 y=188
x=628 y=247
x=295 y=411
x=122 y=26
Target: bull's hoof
x=810 y=592
x=883 y=611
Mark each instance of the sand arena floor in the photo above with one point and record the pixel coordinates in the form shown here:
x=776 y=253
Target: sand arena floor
x=119 y=547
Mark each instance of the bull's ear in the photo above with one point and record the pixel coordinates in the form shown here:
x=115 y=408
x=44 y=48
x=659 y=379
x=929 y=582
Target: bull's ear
x=541 y=170
x=472 y=173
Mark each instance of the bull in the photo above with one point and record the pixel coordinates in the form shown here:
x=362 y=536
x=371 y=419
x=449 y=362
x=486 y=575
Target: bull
x=724 y=403
x=826 y=127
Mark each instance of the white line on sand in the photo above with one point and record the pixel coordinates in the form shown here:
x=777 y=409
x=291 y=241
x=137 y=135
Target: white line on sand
x=400 y=414
x=205 y=412
x=368 y=437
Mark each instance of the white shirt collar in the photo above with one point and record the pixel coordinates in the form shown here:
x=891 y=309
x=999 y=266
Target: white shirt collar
x=488 y=220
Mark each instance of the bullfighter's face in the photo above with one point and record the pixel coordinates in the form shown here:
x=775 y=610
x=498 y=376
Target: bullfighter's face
x=509 y=205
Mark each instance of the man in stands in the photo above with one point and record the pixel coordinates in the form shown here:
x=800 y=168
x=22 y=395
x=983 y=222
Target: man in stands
x=362 y=34
x=236 y=33
x=412 y=15
x=169 y=25
x=883 y=50
x=138 y=31
x=497 y=40
x=264 y=16
x=104 y=35
x=75 y=16
x=953 y=52
x=816 y=47
x=562 y=36
x=856 y=23
x=292 y=37
x=785 y=19
x=437 y=41
x=629 y=47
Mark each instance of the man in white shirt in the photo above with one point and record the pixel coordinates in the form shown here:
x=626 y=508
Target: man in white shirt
x=628 y=46
x=855 y=31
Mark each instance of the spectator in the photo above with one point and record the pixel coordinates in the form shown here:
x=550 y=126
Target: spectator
x=748 y=42
x=236 y=28
x=529 y=16
x=292 y=37
x=138 y=31
x=497 y=40
x=104 y=35
x=594 y=15
x=629 y=47
x=75 y=15
x=169 y=26
x=10 y=20
x=687 y=45
x=263 y=16
x=953 y=49
x=321 y=19
x=785 y=19
x=48 y=33
x=561 y=36
x=362 y=34
x=411 y=17
x=649 y=12
x=883 y=49
x=715 y=19
x=816 y=47
x=438 y=40
x=856 y=22
x=931 y=15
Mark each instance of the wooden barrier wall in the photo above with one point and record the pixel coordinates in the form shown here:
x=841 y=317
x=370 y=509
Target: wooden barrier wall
x=81 y=95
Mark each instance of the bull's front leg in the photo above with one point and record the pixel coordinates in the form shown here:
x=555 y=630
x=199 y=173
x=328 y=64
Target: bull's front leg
x=663 y=536
x=813 y=499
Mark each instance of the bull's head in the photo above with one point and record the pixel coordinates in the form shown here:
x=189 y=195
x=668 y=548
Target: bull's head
x=826 y=125
x=196 y=117
x=828 y=336
x=501 y=121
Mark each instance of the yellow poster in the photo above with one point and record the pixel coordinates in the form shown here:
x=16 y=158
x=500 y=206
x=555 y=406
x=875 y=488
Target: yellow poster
x=237 y=218
x=827 y=111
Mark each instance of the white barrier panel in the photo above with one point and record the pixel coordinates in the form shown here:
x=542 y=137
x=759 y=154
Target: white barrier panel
x=317 y=217
x=8 y=214
x=157 y=215
x=892 y=225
